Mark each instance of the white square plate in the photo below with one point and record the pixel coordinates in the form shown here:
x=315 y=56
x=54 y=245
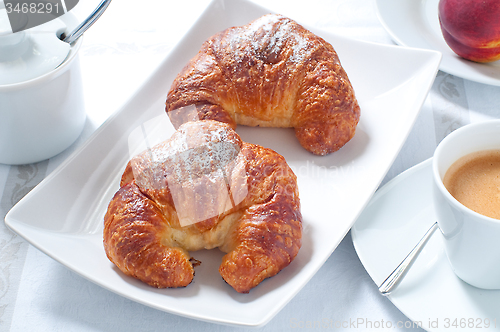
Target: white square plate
x=63 y=215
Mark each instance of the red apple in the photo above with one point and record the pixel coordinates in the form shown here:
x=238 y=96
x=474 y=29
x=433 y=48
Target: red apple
x=471 y=28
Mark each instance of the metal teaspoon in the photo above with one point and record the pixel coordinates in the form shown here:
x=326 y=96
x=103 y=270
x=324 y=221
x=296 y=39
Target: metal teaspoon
x=398 y=274
x=87 y=23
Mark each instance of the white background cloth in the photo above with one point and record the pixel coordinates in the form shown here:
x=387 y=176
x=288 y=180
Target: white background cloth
x=118 y=54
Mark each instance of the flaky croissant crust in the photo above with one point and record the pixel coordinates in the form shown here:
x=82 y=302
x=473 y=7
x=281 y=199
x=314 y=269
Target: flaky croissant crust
x=253 y=198
x=271 y=72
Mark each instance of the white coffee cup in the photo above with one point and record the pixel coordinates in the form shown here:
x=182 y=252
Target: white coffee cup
x=42 y=116
x=472 y=240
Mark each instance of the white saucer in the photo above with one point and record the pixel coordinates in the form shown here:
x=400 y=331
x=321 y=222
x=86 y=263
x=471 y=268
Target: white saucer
x=416 y=24
x=431 y=294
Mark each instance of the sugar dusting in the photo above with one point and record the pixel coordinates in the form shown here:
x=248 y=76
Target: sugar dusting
x=270 y=34
x=196 y=166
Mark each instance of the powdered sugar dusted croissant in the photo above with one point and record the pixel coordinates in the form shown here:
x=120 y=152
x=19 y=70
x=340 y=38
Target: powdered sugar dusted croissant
x=271 y=72
x=204 y=188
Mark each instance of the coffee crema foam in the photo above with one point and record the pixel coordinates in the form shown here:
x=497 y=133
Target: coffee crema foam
x=474 y=181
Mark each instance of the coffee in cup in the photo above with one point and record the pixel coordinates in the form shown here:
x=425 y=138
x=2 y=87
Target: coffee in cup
x=471 y=230
x=474 y=181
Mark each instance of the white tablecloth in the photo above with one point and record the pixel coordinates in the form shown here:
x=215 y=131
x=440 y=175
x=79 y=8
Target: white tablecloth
x=119 y=52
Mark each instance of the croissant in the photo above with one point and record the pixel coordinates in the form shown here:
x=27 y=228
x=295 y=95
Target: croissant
x=204 y=188
x=272 y=73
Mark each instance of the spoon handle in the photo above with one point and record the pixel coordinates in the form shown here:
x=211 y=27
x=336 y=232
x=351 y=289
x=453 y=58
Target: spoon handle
x=398 y=274
x=79 y=30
